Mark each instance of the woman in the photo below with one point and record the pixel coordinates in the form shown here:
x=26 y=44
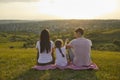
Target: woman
x=45 y=49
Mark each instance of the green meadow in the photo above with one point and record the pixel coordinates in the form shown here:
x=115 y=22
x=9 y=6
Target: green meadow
x=17 y=63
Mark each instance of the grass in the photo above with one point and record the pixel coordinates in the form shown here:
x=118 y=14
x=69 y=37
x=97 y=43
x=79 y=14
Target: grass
x=15 y=64
x=14 y=44
x=112 y=31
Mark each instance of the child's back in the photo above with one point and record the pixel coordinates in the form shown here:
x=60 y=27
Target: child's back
x=61 y=60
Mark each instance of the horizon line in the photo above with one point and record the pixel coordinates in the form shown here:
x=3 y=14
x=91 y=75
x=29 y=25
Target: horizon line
x=51 y=19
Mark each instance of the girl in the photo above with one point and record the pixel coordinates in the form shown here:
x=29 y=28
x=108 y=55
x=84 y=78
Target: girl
x=60 y=50
x=45 y=49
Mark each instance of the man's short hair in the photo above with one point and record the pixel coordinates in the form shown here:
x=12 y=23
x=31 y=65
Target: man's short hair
x=80 y=30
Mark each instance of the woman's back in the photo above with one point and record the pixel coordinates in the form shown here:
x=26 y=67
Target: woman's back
x=44 y=57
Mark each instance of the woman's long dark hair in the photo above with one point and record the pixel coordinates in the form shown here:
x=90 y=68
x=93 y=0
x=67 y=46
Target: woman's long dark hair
x=45 y=41
x=58 y=44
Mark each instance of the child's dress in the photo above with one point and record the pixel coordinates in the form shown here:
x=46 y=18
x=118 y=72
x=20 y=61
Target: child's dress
x=60 y=60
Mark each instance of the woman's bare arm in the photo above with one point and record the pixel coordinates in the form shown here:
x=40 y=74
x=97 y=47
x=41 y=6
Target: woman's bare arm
x=53 y=56
x=37 y=56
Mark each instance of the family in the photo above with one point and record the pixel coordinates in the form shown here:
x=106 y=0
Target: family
x=77 y=58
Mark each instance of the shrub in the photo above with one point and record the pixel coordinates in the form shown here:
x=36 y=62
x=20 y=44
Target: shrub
x=117 y=42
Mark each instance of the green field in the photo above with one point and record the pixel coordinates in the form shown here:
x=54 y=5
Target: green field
x=16 y=64
x=18 y=55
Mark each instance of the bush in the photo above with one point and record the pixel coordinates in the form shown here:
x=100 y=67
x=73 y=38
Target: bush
x=108 y=46
x=29 y=43
x=11 y=47
x=117 y=42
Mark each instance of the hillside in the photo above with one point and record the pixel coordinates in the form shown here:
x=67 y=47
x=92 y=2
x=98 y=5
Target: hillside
x=16 y=64
x=14 y=21
x=55 y=25
x=18 y=53
x=103 y=33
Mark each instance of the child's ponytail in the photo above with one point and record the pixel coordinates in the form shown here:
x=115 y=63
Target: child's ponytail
x=61 y=52
x=58 y=44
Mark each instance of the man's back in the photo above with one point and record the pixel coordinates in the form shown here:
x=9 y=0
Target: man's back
x=82 y=49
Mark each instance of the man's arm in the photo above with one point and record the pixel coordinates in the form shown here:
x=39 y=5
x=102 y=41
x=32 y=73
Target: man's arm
x=68 y=46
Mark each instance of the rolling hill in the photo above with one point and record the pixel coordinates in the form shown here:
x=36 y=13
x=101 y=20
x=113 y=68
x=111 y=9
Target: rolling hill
x=103 y=33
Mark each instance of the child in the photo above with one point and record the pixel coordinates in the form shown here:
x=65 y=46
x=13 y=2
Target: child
x=60 y=50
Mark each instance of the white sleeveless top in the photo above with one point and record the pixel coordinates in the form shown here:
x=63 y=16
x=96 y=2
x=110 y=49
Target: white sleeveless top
x=44 y=57
x=61 y=61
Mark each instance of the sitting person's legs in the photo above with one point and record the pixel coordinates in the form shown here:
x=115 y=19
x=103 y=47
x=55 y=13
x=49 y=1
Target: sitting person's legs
x=70 y=55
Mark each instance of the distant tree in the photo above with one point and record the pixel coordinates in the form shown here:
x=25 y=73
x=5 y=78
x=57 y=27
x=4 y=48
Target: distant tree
x=11 y=47
x=24 y=45
x=13 y=38
x=117 y=42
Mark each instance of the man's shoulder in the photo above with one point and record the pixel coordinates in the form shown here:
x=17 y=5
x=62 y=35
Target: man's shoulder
x=89 y=41
x=74 y=40
x=86 y=39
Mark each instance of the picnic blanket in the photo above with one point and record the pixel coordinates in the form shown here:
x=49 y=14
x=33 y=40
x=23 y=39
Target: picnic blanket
x=93 y=66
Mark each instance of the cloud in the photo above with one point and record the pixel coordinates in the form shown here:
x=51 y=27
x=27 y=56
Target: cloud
x=19 y=0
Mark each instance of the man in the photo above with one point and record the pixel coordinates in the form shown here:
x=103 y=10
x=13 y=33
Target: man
x=81 y=49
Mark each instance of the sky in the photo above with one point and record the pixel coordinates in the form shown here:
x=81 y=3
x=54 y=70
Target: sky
x=59 y=9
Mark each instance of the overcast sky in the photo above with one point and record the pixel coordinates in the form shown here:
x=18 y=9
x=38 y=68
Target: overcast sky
x=59 y=9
